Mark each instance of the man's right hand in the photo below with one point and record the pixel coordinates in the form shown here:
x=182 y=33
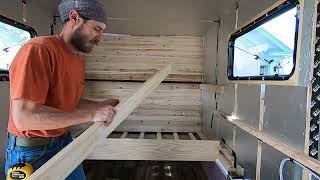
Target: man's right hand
x=105 y=114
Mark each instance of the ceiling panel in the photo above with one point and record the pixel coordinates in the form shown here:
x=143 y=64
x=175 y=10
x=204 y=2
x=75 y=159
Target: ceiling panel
x=158 y=17
x=167 y=17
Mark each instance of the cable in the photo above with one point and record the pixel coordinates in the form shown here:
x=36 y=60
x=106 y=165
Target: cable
x=255 y=56
x=296 y=162
x=6 y=49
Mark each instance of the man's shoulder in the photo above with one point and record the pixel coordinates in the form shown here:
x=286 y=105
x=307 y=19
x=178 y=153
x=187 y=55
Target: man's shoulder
x=45 y=41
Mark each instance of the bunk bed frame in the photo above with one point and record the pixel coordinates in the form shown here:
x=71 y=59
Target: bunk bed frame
x=92 y=143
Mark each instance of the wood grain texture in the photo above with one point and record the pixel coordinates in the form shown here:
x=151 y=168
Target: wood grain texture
x=171 y=107
x=302 y=158
x=63 y=163
x=176 y=136
x=260 y=128
x=138 y=57
x=141 y=136
x=192 y=137
x=155 y=149
x=212 y=88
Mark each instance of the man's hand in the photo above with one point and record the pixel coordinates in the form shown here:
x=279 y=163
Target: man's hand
x=105 y=114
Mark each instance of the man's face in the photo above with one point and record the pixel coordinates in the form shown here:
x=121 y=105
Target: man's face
x=87 y=35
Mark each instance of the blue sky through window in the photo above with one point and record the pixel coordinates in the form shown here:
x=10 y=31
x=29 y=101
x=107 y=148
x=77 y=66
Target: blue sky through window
x=268 y=49
x=11 y=40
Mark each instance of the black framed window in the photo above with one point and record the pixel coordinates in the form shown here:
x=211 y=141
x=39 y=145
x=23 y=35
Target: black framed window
x=266 y=48
x=13 y=35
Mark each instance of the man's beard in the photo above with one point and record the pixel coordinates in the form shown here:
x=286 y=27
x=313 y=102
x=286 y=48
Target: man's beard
x=78 y=40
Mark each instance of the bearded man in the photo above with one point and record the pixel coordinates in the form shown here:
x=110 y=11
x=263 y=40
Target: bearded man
x=46 y=83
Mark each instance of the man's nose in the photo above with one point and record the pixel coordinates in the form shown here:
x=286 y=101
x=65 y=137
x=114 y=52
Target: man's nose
x=98 y=37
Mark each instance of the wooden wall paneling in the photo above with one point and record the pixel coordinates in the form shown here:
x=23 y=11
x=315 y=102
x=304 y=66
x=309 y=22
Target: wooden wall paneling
x=138 y=57
x=212 y=88
x=171 y=107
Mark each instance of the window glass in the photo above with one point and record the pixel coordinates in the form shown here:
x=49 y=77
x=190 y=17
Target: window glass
x=266 y=50
x=13 y=36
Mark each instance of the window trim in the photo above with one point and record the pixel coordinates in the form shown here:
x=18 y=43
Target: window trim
x=33 y=32
x=282 y=8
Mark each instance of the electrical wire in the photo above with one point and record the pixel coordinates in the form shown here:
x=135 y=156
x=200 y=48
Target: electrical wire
x=6 y=49
x=255 y=56
x=296 y=162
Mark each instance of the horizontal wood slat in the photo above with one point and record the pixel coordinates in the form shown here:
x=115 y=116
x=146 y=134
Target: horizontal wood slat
x=171 y=107
x=121 y=57
x=156 y=149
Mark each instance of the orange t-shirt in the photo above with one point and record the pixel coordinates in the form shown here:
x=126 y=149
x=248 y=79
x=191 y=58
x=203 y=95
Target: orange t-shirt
x=47 y=72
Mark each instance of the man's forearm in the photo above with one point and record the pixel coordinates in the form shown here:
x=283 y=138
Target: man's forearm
x=47 y=118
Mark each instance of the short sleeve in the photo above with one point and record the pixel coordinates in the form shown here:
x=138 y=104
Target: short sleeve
x=30 y=73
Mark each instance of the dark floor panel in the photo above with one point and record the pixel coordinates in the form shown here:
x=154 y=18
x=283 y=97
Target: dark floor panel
x=143 y=170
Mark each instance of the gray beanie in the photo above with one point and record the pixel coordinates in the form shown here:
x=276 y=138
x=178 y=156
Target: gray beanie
x=90 y=9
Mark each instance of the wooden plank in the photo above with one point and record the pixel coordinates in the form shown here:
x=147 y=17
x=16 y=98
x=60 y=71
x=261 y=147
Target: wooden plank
x=176 y=136
x=276 y=144
x=227 y=154
x=151 y=149
x=176 y=119
x=235 y=112
x=212 y=88
x=183 y=40
x=202 y=136
x=136 y=57
x=262 y=106
x=260 y=128
x=192 y=136
x=141 y=136
x=96 y=85
x=226 y=163
x=63 y=163
x=159 y=135
x=162 y=122
x=141 y=76
x=171 y=106
x=124 y=135
x=149 y=126
x=183 y=69
x=258 y=166
x=147 y=60
x=153 y=128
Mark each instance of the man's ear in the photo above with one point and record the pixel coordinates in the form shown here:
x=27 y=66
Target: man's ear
x=74 y=17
